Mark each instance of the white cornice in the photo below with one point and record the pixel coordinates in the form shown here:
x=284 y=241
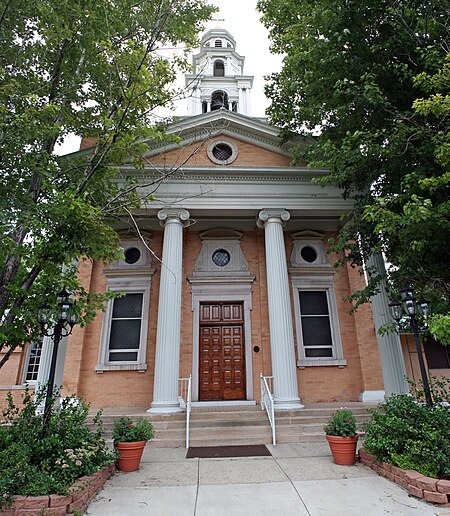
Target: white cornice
x=217 y=173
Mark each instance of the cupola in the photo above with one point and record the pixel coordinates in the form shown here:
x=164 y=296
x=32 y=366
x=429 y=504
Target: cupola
x=218 y=81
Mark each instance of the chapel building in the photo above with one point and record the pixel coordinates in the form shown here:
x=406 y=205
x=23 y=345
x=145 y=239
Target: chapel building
x=228 y=276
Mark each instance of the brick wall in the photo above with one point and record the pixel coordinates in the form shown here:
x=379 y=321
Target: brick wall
x=251 y=155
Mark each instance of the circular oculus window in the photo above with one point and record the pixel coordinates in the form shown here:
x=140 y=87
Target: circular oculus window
x=221 y=257
x=222 y=152
x=132 y=255
x=309 y=254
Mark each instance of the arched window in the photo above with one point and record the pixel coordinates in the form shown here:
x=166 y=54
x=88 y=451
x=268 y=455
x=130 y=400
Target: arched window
x=219 y=69
x=219 y=99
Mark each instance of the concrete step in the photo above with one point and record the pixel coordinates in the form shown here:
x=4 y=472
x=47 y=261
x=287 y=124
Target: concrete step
x=240 y=425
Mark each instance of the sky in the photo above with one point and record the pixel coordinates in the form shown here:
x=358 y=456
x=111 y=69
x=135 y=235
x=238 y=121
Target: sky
x=241 y=19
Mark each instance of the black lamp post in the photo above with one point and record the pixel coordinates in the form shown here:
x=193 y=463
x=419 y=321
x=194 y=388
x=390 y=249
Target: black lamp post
x=66 y=318
x=411 y=307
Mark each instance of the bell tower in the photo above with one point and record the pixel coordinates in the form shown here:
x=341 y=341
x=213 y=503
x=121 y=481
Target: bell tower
x=218 y=81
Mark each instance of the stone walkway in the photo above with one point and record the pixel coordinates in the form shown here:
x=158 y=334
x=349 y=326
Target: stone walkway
x=299 y=479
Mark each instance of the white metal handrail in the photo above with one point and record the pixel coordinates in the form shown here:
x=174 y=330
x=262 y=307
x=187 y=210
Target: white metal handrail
x=186 y=401
x=267 y=402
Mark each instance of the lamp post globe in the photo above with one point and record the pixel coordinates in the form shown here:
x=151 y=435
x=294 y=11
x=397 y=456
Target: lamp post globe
x=409 y=307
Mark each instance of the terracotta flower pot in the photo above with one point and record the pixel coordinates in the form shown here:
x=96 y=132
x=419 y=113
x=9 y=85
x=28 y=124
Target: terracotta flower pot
x=130 y=455
x=343 y=449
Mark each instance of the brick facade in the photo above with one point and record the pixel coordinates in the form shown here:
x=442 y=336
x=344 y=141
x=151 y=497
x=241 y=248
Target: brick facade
x=135 y=389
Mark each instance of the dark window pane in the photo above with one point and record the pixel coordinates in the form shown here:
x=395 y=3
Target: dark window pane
x=221 y=257
x=132 y=255
x=123 y=357
x=125 y=334
x=222 y=152
x=219 y=69
x=33 y=362
x=128 y=306
x=318 y=352
x=309 y=254
x=438 y=356
x=313 y=303
x=316 y=331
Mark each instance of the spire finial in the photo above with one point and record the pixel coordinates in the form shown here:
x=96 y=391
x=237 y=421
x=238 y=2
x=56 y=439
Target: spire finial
x=217 y=19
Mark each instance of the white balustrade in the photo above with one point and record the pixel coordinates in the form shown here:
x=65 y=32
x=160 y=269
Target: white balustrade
x=185 y=399
x=267 y=402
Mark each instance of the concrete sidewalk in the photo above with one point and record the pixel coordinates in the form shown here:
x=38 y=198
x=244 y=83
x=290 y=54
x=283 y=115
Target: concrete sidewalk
x=299 y=479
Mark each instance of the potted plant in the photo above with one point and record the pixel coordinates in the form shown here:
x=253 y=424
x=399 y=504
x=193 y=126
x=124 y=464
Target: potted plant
x=342 y=437
x=130 y=439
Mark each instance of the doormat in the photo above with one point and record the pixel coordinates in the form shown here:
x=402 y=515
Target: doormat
x=212 y=452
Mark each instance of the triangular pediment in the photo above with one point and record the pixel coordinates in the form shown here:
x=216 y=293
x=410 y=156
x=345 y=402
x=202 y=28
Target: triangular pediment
x=256 y=142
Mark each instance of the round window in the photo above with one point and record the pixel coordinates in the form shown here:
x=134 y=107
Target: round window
x=221 y=257
x=309 y=254
x=132 y=255
x=222 y=152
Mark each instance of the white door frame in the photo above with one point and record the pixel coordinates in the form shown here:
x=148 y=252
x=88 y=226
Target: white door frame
x=236 y=290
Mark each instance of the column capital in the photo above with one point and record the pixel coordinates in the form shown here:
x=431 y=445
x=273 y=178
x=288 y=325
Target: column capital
x=179 y=214
x=279 y=214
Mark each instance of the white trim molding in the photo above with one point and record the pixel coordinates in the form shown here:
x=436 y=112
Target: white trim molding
x=131 y=281
x=214 y=143
x=221 y=239
x=372 y=396
x=314 y=241
x=322 y=280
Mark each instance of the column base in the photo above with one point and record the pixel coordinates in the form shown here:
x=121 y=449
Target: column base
x=288 y=404
x=372 y=396
x=164 y=407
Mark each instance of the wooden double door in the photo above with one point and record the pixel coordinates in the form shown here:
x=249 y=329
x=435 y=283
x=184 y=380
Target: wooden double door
x=222 y=352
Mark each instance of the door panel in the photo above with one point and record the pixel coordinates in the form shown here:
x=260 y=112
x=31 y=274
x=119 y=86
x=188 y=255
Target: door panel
x=210 y=363
x=222 y=352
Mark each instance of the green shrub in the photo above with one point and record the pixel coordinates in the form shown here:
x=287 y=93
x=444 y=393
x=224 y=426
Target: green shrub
x=127 y=431
x=342 y=423
x=410 y=435
x=439 y=388
x=35 y=460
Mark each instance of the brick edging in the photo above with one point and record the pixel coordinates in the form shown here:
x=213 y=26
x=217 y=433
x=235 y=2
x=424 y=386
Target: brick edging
x=418 y=485
x=81 y=494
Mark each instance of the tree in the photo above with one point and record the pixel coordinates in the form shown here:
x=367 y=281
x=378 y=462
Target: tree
x=370 y=79
x=93 y=69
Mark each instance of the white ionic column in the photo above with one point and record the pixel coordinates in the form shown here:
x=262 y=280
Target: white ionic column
x=165 y=393
x=44 y=366
x=389 y=346
x=284 y=367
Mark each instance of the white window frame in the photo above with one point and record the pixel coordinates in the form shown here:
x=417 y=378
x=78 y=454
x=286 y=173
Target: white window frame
x=317 y=282
x=27 y=364
x=136 y=282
